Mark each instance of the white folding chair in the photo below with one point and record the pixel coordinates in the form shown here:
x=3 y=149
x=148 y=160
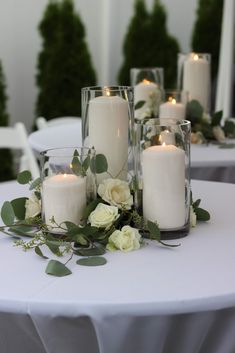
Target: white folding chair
x=42 y=123
x=16 y=138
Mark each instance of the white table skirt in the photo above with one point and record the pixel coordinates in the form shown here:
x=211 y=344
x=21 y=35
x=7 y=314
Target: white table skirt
x=153 y=300
x=208 y=162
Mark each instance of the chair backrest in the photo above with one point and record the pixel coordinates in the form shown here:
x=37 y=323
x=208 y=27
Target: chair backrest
x=16 y=138
x=42 y=123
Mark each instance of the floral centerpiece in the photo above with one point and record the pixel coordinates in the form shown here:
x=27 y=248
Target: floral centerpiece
x=109 y=223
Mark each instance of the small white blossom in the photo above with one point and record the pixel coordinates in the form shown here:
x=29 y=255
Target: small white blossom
x=126 y=239
x=116 y=192
x=103 y=216
x=32 y=207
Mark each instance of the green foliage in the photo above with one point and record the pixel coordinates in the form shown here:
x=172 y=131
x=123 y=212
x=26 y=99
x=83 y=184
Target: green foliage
x=207 y=30
x=64 y=63
x=6 y=161
x=147 y=44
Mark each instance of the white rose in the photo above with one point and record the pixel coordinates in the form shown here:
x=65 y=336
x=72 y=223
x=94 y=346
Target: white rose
x=218 y=133
x=32 y=207
x=116 y=192
x=103 y=216
x=197 y=138
x=126 y=239
x=193 y=217
x=206 y=117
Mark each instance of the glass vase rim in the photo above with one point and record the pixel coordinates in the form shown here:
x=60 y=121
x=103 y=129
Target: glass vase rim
x=113 y=88
x=79 y=148
x=163 y=122
x=195 y=53
x=148 y=68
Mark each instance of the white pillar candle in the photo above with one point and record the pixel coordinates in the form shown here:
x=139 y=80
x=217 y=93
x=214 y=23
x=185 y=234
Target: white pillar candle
x=164 y=186
x=196 y=79
x=172 y=110
x=150 y=93
x=64 y=198
x=108 y=133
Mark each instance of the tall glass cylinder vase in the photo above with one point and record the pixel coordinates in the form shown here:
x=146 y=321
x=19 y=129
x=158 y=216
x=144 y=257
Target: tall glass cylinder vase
x=148 y=86
x=68 y=185
x=162 y=172
x=194 y=77
x=107 y=122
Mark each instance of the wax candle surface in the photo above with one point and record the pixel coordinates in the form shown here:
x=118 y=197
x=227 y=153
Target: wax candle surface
x=108 y=132
x=150 y=93
x=172 y=110
x=164 y=186
x=64 y=198
x=196 y=79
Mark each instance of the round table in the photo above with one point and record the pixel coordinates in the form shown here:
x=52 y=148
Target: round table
x=153 y=300
x=208 y=162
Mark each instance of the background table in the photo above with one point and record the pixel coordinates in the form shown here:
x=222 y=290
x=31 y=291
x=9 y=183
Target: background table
x=208 y=162
x=154 y=300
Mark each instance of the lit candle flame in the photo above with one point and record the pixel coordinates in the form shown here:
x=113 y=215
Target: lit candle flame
x=65 y=175
x=195 y=57
x=147 y=82
x=164 y=144
x=172 y=100
x=106 y=91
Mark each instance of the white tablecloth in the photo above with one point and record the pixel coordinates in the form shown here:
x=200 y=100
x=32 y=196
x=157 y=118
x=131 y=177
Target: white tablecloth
x=207 y=162
x=154 y=300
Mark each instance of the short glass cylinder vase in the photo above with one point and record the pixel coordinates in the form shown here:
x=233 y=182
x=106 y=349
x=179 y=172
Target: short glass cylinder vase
x=107 y=122
x=148 y=86
x=194 y=77
x=68 y=185
x=162 y=174
x=174 y=105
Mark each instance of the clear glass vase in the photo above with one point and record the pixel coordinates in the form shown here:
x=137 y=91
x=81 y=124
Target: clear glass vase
x=107 y=122
x=68 y=185
x=162 y=174
x=148 y=86
x=194 y=77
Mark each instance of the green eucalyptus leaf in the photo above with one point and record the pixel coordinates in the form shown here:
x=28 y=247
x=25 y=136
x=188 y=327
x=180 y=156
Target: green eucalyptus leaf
x=216 y=118
x=23 y=230
x=56 y=268
x=100 y=165
x=35 y=184
x=38 y=251
x=19 y=207
x=154 y=230
x=89 y=208
x=196 y=203
x=80 y=239
x=7 y=213
x=139 y=105
x=86 y=163
x=76 y=166
x=229 y=128
x=94 y=251
x=55 y=248
x=72 y=228
x=194 y=111
x=24 y=177
x=202 y=215
x=92 y=261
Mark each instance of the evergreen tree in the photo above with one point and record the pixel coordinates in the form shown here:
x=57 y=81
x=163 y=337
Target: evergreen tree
x=64 y=64
x=6 y=161
x=148 y=44
x=207 y=30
